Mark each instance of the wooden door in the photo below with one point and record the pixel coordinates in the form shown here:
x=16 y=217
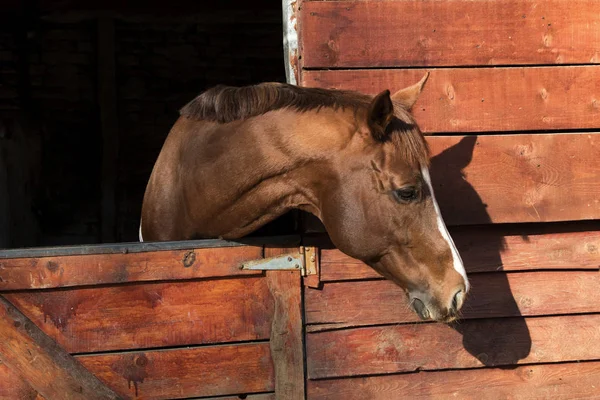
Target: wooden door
x=150 y=321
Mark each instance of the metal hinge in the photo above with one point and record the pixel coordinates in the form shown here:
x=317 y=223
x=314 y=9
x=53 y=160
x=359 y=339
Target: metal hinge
x=305 y=260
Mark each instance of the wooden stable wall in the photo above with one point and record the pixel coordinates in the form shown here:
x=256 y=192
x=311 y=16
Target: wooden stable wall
x=512 y=113
x=149 y=321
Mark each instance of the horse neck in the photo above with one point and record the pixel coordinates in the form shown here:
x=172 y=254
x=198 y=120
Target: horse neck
x=274 y=163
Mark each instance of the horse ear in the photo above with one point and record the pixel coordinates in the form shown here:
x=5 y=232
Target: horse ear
x=409 y=95
x=381 y=112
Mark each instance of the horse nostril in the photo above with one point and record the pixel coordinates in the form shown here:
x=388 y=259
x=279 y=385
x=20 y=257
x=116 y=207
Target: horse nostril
x=458 y=299
x=420 y=308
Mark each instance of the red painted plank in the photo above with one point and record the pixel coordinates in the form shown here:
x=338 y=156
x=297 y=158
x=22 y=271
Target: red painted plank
x=486 y=99
x=487 y=249
x=181 y=373
x=552 y=381
x=152 y=315
x=517 y=178
x=12 y=386
x=492 y=295
x=345 y=34
x=46 y=367
x=471 y=344
x=95 y=269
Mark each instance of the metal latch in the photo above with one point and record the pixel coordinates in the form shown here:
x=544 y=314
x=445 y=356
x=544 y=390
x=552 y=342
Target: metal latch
x=304 y=260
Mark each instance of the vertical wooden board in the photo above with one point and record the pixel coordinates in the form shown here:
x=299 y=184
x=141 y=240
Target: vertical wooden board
x=182 y=373
x=470 y=344
x=342 y=34
x=517 y=178
x=48 y=368
x=492 y=295
x=287 y=346
x=95 y=269
x=553 y=381
x=152 y=315
x=485 y=99
x=488 y=249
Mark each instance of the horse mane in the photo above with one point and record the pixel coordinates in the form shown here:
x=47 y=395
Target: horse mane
x=225 y=104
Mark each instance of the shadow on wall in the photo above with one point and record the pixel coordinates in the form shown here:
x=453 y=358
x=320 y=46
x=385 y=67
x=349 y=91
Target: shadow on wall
x=494 y=341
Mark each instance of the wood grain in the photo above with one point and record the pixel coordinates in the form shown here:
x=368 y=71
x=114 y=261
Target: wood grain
x=95 y=269
x=287 y=340
x=517 y=178
x=151 y=315
x=342 y=34
x=488 y=249
x=180 y=373
x=48 y=369
x=485 y=99
x=553 y=381
x=492 y=295
x=471 y=344
x=12 y=386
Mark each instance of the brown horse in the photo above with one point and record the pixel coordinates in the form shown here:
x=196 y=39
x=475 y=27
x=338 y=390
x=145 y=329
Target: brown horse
x=237 y=158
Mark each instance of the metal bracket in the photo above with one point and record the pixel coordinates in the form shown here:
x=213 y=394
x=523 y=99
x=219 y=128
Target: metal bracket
x=304 y=261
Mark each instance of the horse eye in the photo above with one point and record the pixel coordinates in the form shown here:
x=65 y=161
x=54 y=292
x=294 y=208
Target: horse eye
x=406 y=195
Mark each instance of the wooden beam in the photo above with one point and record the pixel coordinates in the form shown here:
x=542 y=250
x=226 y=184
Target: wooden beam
x=492 y=295
x=152 y=315
x=46 y=366
x=471 y=344
x=549 y=381
x=107 y=102
x=342 y=34
x=485 y=99
x=96 y=269
x=287 y=339
x=491 y=248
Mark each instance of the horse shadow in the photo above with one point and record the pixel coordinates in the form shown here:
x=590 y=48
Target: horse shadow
x=500 y=338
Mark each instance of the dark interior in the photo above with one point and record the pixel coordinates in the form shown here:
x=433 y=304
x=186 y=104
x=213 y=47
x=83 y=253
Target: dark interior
x=88 y=93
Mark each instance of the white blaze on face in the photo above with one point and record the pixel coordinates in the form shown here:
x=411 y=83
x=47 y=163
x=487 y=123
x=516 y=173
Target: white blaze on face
x=140 y=233
x=457 y=261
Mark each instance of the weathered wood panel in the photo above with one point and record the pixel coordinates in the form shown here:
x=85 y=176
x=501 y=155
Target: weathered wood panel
x=342 y=34
x=12 y=386
x=517 y=178
x=46 y=367
x=181 y=373
x=553 y=381
x=151 y=315
x=95 y=269
x=287 y=341
x=486 y=99
x=470 y=344
x=487 y=249
x=492 y=295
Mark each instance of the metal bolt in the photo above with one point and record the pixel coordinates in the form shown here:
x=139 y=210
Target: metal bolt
x=296 y=266
x=290 y=259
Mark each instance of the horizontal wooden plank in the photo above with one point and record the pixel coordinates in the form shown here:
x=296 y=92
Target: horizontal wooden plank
x=486 y=99
x=181 y=373
x=492 y=295
x=517 y=178
x=550 y=381
x=487 y=249
x=12 y=386
x=151 y=315
x=341 y=34
x=262 y=396
x=471 y=344
x=95 y=269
